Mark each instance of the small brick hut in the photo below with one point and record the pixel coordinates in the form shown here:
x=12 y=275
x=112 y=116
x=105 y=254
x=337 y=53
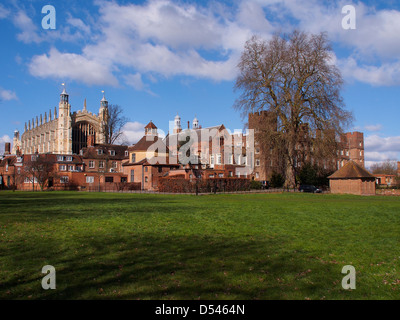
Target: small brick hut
x=352 y=179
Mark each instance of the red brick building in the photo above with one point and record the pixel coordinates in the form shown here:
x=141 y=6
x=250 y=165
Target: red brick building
x=268 y=158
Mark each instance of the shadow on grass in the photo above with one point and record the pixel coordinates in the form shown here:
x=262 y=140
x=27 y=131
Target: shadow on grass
x=175 y=267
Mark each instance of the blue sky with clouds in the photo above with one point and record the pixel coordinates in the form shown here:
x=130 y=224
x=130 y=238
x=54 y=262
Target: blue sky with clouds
x=159 y=57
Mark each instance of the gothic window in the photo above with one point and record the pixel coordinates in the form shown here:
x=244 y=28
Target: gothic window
x=80 y=134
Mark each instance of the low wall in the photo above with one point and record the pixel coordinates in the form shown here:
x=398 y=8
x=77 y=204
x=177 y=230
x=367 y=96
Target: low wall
x=388 y=192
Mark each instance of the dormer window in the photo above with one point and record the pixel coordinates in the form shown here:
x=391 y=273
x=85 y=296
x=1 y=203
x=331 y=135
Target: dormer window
x=126 y=153
x=112 y=152
x=69 y=158
x=60 y=158
x=19 y=159
x=99 y=152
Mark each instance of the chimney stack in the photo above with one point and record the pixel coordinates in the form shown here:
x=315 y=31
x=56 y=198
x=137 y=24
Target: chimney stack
x=7 y=148
x=188 y=124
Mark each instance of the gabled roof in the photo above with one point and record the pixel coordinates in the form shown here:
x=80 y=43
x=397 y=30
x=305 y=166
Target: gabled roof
x=351 y=170
x=150 y=125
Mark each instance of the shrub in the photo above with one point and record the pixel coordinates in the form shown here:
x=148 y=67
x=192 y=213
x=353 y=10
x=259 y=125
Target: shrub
x=277 y=180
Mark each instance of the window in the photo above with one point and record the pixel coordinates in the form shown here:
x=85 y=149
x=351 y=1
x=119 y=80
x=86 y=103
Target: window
x=219 y=158
x=211 y=176
x=101 y=164
x=133 y=157
x=91 y=164
x=19 y=159
x=33 y=158
x=112 y=152
x=230 y=173
x=7 y=167
x=29 y=180
x=257 y=162
x=257 y=150
x=109 y=179
x=69 y=158
x=257 y=175
x=146 y=169
x=212 y=159
x=60 y=158
x=114 y=164
x=64 y=179
x=126 y=153
x=145 y=179
x=132 y=175
x=89 y=179
x=220 y=175
x=71 y=168
x=99 y=152
x=63 y=167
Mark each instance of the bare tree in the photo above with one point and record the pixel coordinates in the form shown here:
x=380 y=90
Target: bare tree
x=40 y=169
x=115 y=123
x=293 y=78
x=385 y=167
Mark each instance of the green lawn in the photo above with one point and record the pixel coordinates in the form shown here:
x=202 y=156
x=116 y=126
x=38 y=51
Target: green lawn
x=253 y=246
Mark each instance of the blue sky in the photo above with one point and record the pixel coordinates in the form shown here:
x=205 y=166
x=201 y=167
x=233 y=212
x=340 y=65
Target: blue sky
x=159 y=57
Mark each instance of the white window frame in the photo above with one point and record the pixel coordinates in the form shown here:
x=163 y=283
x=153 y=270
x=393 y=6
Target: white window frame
x=64 y=179
x=89 y=179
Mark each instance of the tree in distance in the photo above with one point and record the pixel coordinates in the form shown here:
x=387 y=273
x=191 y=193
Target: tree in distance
x=115 y=124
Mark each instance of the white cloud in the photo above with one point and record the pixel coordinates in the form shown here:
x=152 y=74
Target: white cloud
x=28 y=29
x=379 y=148
x=168 y=38
x=72 y=67
x=373 y=127
x=133 y=131
x=7 y=95
x=79 y=24
x=3 y=12
x=136 y=82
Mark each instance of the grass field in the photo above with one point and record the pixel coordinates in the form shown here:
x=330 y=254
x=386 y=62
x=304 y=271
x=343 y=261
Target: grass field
x=253 y=246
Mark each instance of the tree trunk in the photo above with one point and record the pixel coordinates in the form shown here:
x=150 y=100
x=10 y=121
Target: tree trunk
x=290 y=178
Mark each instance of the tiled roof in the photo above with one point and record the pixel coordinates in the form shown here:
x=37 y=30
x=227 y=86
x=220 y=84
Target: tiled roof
x=150 y=125
x=351 y=170
x=146 y=142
